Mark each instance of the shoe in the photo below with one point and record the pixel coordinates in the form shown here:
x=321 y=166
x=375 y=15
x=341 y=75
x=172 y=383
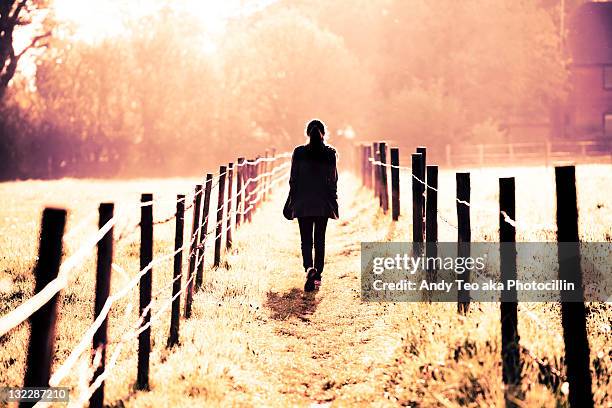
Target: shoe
x=311 y=274
x=317 y=281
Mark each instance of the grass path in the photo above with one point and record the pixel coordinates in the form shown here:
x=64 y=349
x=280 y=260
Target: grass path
x=271 y=343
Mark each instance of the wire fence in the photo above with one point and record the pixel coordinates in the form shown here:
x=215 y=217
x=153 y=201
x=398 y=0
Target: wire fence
x=372 y=166
x=254 y=180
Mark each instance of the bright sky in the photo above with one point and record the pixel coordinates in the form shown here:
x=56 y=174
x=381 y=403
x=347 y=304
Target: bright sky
x=94 y=20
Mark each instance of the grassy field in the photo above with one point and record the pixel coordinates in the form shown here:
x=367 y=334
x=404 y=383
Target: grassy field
x=256 y=339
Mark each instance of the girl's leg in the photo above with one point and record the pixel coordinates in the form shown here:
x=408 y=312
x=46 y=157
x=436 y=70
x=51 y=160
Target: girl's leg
x=320 y=225
x=306 y=226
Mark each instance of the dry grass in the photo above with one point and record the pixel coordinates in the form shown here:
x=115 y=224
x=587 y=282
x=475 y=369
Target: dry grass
x=256 y=339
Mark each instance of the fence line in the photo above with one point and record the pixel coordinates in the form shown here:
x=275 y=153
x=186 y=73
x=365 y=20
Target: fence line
x=63 y=370
x=573 y=314
x=18 y=315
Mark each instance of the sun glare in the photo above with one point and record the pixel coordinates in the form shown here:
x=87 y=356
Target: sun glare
x=95 y=20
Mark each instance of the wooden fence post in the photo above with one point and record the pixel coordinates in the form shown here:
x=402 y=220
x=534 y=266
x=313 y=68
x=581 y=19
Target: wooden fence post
x=368 y=166
x=423 y=151
x=375 y=171
x=249 y=191
x=257 y=172
x=573 y=314
x=417 y=198
x=146 y=281
x=264 y=181
x=239 y=193
x=395 y=184
x=103 y=281
x=219 y=219
x=42 y=321
x=464 y=235
x=384 y=196
x=431 y=219
x=230 y=202
x=175 y=319
x=193 y=249
x=202 y=234
x=509 y=318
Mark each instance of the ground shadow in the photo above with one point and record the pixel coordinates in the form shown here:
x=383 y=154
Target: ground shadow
x=294 y=303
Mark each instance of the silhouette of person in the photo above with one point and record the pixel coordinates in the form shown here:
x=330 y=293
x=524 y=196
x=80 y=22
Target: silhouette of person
x=313 y=191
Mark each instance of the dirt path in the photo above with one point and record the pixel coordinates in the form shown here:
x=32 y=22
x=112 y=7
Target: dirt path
x=257 y=339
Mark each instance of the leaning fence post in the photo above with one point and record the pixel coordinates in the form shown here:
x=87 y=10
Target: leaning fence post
x=464 y=235
x=193 y=249
x=203 y=232
x=146 y=280
x=239 y=193
x=219 y=220
x=230 y=203
x=384 y=196
x=509 y=318
x=42 y=321
x=417 y=198
x=395 y=184
x=175 y=319
x=573 y=314
x=431 y=218
x=103 y=281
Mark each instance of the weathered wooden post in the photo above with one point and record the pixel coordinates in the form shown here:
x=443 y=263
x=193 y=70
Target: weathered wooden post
x=146 y=282
x=219 y=220
x=249 y=190
x=417 y=199
x=464 y=235
x=103 y=281
x=266 y=179
x=573 y=314
x=375 y=171
x=395 y=184
x=201 y=251
x=42 y=321
x=230 y=203
x=511 y=365
x=239 y=192
x=431 y=219
x=193 y=249
x=175 y=318
x=384 y=196
x=258 y=184
x=423 y=151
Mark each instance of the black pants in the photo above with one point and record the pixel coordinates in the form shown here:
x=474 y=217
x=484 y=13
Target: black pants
x=312 y=231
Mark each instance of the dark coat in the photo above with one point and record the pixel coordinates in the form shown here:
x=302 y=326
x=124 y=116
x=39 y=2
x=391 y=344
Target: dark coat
x=313 y=182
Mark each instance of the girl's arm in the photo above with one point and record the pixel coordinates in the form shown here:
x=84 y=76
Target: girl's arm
x=293 y=177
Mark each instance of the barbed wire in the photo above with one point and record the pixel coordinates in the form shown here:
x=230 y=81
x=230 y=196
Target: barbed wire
x=505 y=217
x=86 y=339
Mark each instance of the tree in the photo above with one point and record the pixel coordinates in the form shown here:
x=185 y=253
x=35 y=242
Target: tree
x=12 y=15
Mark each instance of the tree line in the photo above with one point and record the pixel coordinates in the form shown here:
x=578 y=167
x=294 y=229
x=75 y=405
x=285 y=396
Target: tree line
x=160 y=100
